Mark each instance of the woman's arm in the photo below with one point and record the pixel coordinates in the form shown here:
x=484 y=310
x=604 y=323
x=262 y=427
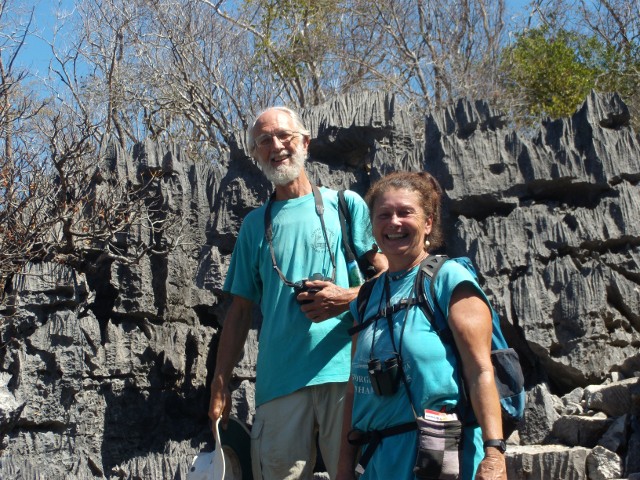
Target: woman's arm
x=348 y=452
x=470 y=322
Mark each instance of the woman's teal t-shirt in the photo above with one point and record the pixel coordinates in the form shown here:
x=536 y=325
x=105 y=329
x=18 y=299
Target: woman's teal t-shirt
x=430 y=368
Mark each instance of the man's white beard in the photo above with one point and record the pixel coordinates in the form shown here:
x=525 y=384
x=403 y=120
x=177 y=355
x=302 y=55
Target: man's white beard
x=283 y=174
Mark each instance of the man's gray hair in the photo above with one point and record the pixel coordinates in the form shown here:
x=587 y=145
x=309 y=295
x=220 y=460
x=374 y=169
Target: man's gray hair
x=297 y=123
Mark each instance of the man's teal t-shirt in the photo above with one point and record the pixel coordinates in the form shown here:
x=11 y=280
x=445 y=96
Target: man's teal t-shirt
x=293 y=351
x=430 y=367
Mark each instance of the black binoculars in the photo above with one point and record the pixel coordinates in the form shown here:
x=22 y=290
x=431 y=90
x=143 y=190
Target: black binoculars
x=384 y=376
x=301 y=286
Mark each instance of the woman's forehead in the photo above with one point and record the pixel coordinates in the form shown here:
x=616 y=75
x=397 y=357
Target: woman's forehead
x=398 y=197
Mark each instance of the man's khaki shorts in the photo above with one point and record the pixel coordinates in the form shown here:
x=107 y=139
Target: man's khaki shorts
x=283 y=436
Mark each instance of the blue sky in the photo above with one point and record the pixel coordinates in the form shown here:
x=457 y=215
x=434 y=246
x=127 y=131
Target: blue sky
x=36 y=53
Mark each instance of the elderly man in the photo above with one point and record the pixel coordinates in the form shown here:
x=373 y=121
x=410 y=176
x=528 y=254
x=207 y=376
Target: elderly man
x=304 y=356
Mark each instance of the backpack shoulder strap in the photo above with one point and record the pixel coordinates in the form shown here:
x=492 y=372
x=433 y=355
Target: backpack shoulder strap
x=431 y=267
x=428 y=270
x=361 y=302
x=345 y=221
x=343 y=207
x=363 y=296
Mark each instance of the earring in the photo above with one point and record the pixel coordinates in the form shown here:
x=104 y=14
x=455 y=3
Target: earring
x=427 y=243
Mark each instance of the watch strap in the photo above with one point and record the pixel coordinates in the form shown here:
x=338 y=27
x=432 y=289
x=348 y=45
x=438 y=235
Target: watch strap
x=498 y=443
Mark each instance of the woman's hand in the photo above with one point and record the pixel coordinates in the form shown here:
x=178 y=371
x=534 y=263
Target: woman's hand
x=493 y=466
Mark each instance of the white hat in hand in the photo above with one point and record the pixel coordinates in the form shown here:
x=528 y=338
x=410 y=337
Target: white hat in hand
x=235 y=445
x=209 y=465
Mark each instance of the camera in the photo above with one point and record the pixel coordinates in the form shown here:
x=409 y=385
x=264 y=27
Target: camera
x=301 y=286
x=384 y=376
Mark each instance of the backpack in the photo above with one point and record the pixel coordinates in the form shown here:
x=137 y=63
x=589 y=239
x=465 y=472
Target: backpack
x=506 y=364
x=366 y=268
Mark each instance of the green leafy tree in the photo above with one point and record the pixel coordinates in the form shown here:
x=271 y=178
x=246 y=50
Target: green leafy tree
x=546 y=74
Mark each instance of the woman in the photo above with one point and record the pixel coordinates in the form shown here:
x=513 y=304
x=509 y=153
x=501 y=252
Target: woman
x=405 y=214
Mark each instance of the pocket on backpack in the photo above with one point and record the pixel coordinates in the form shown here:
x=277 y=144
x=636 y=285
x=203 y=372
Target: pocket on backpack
x=510 y=384
x=508 y=373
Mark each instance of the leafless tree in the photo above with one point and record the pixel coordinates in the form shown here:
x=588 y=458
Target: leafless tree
x=202 y=81
x=19 y=161
x=292 y=41
x=617 y=24
x=162 y=69
x=57 y=200
x=442 y=50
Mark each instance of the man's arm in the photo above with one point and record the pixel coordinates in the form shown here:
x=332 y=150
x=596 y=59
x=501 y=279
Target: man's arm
x=237 y=323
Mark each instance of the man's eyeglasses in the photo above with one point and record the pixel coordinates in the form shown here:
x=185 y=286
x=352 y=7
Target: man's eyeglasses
x=284 y=137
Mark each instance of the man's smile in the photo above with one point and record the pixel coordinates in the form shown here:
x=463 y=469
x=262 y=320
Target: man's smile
x=280 y=158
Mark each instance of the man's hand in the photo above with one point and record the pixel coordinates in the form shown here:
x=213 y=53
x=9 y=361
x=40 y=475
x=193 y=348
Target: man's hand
x=493 y=466
x=330 y=300
x=220 y=402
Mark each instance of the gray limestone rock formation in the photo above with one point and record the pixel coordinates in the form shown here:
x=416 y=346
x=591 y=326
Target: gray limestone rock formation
x=104 y=369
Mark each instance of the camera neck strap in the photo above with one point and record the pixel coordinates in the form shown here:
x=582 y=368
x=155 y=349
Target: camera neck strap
x=268 y=231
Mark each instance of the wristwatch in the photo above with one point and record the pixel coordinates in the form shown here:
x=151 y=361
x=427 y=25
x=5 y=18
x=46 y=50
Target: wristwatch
x=498 y=443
